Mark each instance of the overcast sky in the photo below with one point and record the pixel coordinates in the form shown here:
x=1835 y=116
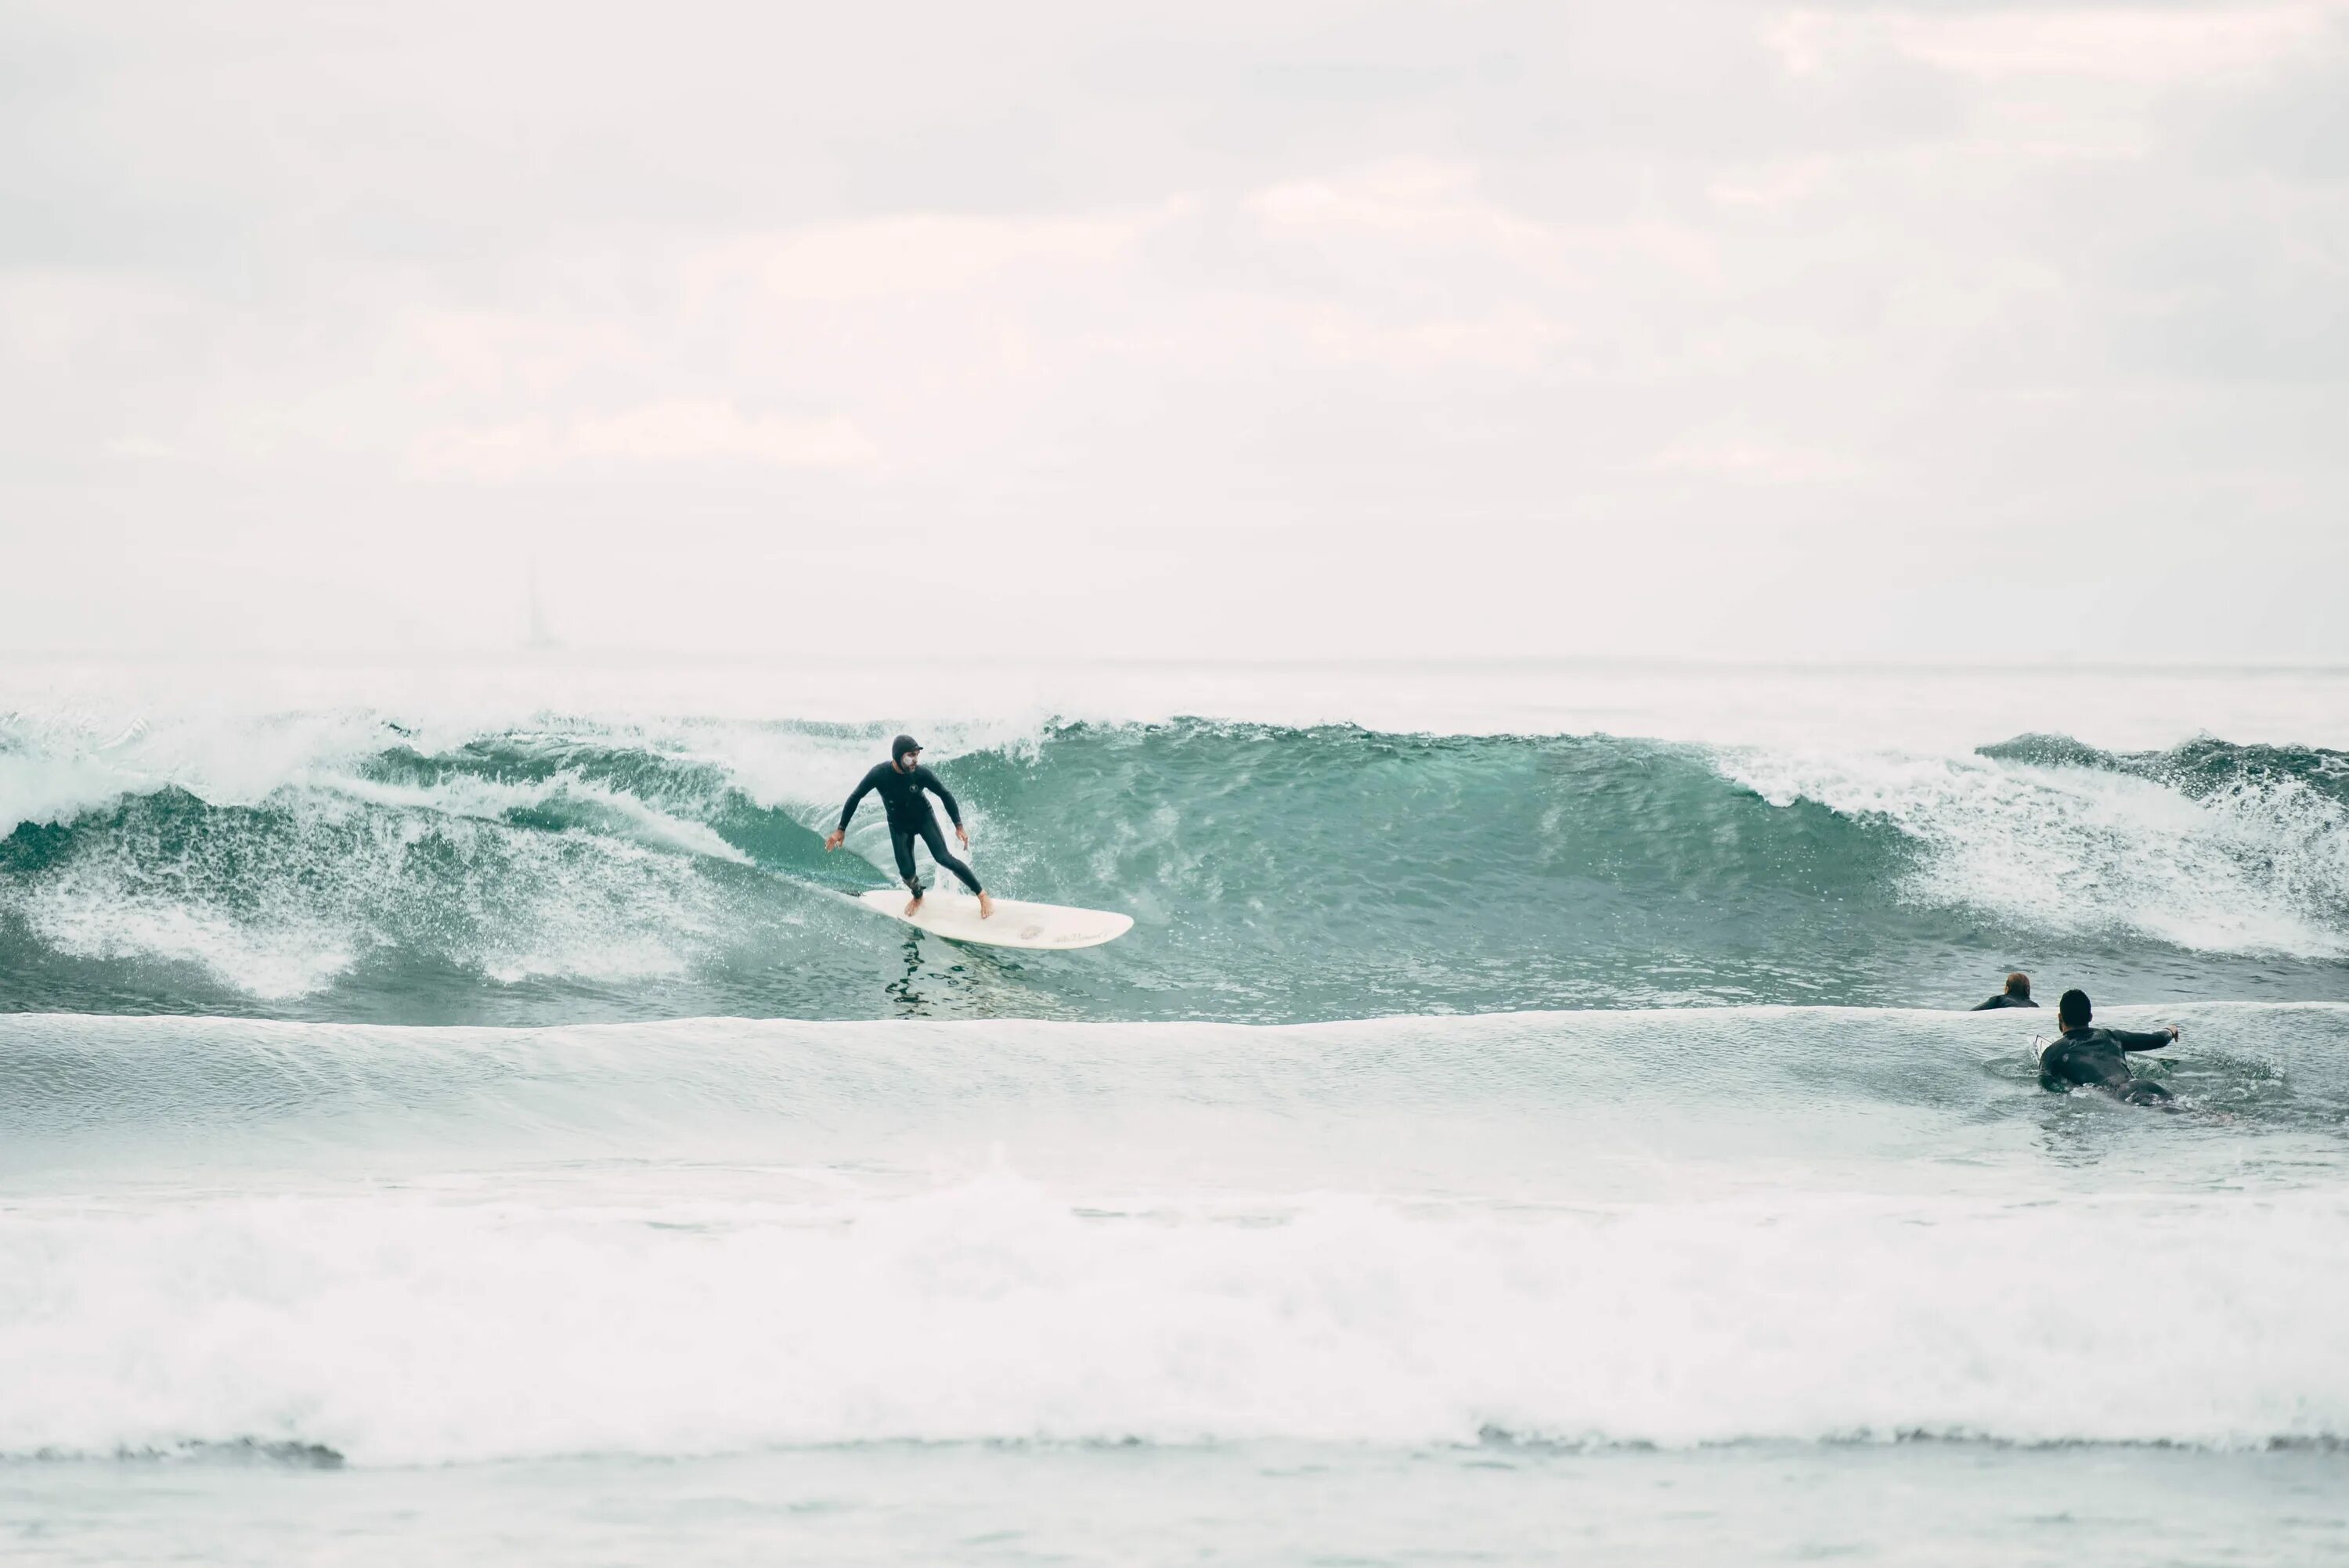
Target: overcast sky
x=1286 y=328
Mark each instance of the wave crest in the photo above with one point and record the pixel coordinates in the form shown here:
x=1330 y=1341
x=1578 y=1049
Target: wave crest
x=348 y=867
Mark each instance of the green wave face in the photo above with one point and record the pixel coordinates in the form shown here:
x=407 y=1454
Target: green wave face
x=578 y=873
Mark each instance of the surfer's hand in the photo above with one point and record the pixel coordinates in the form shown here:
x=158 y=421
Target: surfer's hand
x=839 y=837
x=962 y=835
x=2175 y=1032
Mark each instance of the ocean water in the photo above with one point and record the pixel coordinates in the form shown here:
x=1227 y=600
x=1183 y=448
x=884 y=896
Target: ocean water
x=460 y=1113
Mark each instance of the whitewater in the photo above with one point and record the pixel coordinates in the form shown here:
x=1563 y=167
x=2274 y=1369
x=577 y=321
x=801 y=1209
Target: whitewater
x=1534 y=1114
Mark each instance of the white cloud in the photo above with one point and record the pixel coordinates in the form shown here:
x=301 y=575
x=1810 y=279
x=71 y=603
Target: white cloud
x=2146 y=45
x=666 y=432
x=925 y=252
x=1417 y=208
x=706 y=430
x=1469 y=279
x=1510 y=336
x=1414 y=198
x=1756 y=461
x=2143 y=46
x=1783 y=182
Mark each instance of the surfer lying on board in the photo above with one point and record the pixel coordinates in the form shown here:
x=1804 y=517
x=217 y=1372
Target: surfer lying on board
x=2099 y=1057
x=2016 y=994
x=900 y=781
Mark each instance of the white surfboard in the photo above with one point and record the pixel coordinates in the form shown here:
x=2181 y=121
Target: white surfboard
x=1013 y=924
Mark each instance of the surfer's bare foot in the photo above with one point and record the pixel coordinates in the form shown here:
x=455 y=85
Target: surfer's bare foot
x=986 y=906
x=914 y=908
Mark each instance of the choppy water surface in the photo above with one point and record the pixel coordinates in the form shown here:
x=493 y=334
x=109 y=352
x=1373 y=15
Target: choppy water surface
x=341 y=868
x=1484 y=1141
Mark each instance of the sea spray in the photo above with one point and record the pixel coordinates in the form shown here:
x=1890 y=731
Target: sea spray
x=348 y=867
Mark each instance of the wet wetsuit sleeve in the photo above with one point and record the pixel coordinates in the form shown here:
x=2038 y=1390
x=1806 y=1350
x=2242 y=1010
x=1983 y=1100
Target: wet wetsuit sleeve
x=929 y=780
x=864 y=787
x=2131 y=1040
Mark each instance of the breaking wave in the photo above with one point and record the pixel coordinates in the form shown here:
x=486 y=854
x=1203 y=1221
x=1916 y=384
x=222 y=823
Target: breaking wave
x=343 y=866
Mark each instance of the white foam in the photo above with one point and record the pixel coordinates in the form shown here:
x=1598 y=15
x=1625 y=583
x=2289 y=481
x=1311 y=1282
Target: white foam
x=58 y=762
x=2257 y=869
x=280 y=917
x=489 y=799
x=90 y=916
x=400 y=1329
x=280 y=911
x=2077 y=850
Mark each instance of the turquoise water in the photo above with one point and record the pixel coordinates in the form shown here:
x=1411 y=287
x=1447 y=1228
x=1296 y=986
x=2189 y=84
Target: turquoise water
x=577 y=870
x=435 y=1133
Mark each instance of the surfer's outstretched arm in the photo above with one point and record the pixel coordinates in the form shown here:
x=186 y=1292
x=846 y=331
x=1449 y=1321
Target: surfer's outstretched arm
x=864 y=787
x=2150 y=1040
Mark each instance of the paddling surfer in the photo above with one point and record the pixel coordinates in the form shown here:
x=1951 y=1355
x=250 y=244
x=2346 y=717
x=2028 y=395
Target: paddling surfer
x=2016 y=994
x=2098 y=1058
x=900 y=781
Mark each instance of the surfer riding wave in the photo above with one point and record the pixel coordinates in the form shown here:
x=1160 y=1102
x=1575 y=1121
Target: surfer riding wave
x=900 y=781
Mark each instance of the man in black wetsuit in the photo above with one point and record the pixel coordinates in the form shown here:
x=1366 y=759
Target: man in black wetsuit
x=900 y=781
x=2099 y=1057
x=2016 y=994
